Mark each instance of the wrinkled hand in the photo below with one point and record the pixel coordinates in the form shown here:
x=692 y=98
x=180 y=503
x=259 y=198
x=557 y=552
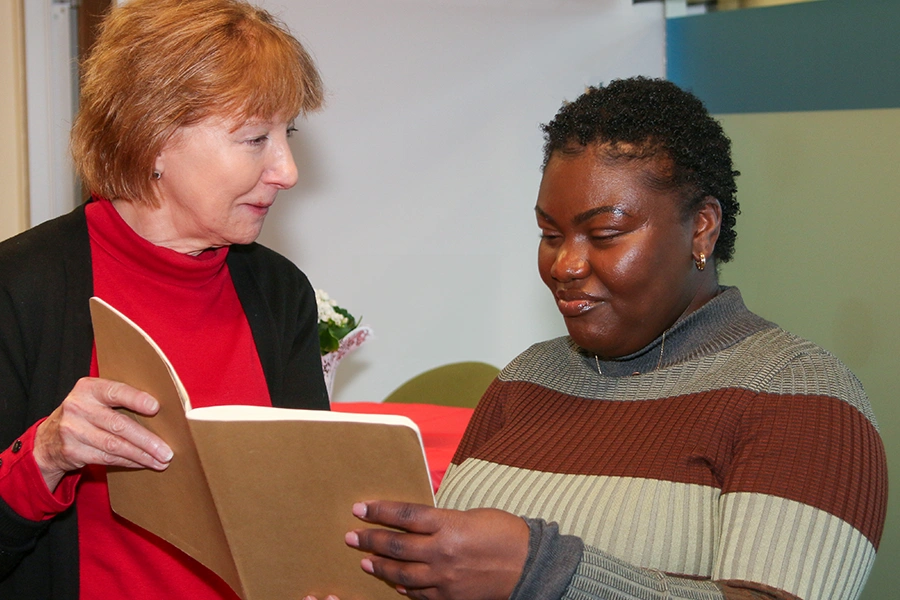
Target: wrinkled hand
x=85 y=430
x=442 y=554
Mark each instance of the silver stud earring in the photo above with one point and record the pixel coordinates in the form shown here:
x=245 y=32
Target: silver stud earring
x=156 y=175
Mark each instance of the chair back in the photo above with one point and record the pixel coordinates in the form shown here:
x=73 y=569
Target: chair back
x=454 y=384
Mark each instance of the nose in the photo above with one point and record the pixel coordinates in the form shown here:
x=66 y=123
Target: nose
x=569 y=264
x=283 y=170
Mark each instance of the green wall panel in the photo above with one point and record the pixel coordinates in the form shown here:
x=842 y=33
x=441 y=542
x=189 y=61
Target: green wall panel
x=817 y=252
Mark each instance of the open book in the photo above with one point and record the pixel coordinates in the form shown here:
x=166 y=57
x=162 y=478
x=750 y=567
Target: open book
x=259 y=495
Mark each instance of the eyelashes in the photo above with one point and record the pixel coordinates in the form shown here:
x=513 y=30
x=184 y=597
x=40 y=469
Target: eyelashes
x=259 y=141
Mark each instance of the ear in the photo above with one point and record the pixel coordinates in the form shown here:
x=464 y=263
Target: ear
x=159 y=165
x=707 y=224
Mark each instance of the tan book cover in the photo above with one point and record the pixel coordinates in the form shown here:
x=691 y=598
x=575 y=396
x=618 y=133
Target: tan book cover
x=260 y=495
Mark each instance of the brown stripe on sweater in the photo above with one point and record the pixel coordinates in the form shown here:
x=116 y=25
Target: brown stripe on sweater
x=815 y=450
x=692 y=439
x=684 y=439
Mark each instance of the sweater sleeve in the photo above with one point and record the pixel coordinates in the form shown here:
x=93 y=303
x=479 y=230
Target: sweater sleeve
x=22 y=485
x=805 y=496
x=45 y=346
x=17 y=533
x=561 y=566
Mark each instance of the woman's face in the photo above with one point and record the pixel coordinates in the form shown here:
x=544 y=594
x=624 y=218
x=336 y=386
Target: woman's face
x=615 y=252
x=218 y=182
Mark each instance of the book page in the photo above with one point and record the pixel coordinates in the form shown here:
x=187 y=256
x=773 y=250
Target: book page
x=284 y=490
x=242 y=412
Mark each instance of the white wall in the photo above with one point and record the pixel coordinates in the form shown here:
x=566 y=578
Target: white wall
x=418 y=180
x=51 y=78
x=14 y=150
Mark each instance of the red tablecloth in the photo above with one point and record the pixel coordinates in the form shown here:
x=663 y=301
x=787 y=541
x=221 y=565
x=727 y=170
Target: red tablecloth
x=441 y=426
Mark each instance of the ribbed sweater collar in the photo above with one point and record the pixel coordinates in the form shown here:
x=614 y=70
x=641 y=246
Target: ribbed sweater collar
x=718 y=324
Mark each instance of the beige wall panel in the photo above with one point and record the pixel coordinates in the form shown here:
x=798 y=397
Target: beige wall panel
x=817 y=253
x=13 y=153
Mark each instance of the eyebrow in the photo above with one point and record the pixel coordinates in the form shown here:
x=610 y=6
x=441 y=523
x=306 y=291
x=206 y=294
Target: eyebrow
x=586 y=215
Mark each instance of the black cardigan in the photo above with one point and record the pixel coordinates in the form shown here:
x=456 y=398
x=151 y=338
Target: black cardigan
x=45 y=347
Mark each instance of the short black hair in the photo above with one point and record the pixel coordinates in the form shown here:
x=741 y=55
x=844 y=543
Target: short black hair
x=642 y=118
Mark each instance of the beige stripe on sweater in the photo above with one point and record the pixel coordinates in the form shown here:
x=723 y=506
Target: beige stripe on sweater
x=679 y=528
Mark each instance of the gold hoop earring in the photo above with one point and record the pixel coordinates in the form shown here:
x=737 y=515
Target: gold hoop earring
x=700 y=262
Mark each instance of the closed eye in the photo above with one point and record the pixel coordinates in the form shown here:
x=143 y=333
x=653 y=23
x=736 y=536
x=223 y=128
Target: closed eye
x=605 y=235
x=550 y=237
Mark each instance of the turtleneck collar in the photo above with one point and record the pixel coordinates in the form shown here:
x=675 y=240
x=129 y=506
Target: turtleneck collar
x=718 y=324
x=115 y=236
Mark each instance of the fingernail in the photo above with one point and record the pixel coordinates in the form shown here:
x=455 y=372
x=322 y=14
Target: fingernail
x=351 y=538
x=166 y=454
x=400 y=589
x=366 y=565
x=360 y=509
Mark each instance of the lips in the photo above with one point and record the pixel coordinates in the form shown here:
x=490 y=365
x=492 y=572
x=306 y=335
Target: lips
x=261 y=208
x=572 y=303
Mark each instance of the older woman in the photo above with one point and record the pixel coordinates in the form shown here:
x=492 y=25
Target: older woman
x=674 y=444
x=182 y=136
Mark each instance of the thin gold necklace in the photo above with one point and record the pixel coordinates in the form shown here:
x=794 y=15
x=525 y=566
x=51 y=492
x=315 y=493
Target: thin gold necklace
x=662 y=346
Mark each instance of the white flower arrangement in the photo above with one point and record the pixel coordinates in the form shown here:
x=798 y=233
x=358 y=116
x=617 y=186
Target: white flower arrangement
x=334 y=323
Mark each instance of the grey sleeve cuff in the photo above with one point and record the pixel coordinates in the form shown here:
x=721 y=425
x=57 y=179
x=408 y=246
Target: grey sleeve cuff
x=601 y=576
x=552 y=560
x=562 y=567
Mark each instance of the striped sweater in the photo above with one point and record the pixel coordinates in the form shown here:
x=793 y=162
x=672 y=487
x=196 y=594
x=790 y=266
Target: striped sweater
x=727 y=456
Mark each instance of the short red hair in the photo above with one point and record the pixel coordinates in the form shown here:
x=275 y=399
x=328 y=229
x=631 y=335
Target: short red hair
x=159 y=65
